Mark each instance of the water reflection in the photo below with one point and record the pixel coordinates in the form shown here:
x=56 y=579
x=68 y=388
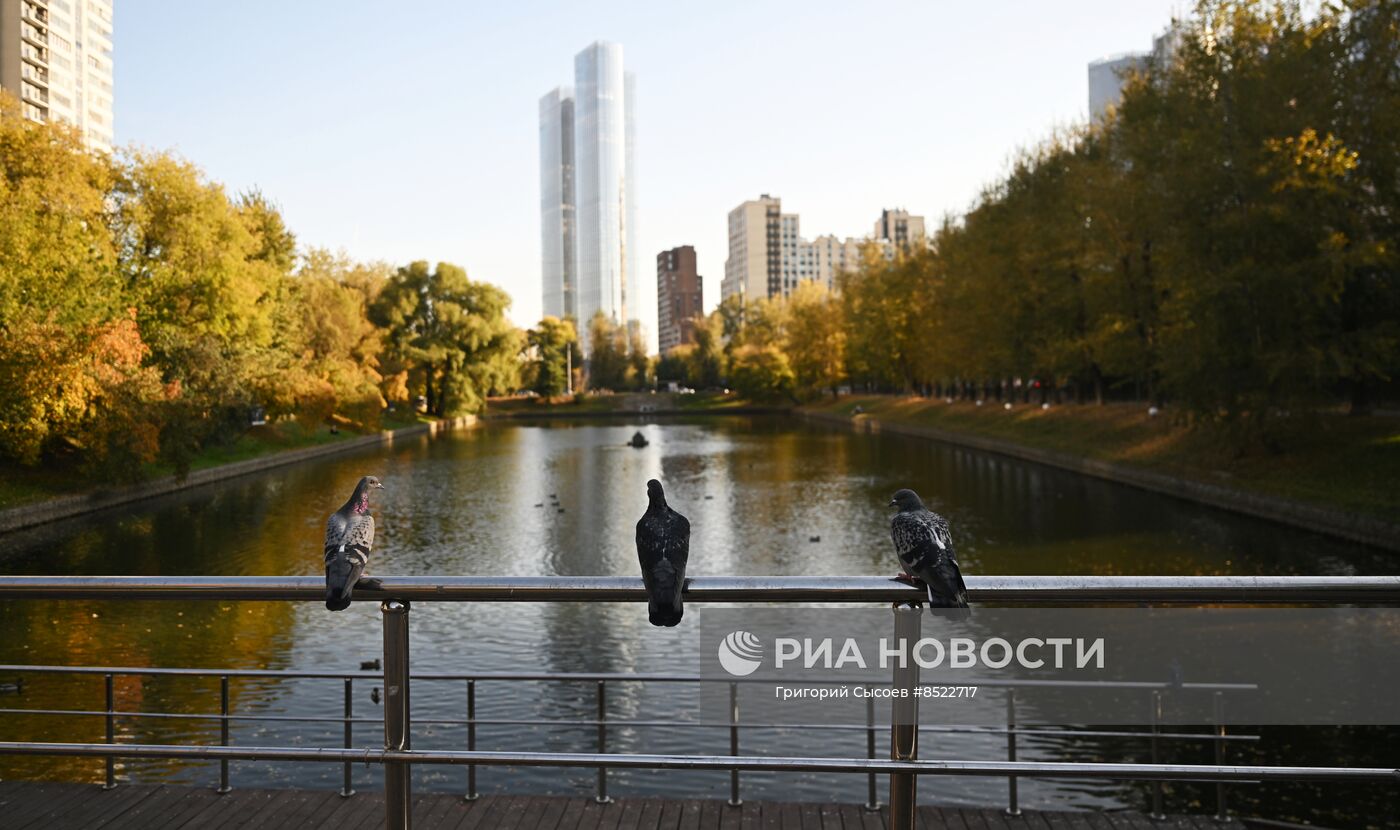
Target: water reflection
x=757 y=491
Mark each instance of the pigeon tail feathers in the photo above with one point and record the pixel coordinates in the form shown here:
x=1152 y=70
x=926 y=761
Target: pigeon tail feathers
x=343 y=570
x=665 y=607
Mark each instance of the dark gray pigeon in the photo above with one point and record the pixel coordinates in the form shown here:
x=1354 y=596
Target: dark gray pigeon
x=663 y=545
x=925 y=550
x=349 y=537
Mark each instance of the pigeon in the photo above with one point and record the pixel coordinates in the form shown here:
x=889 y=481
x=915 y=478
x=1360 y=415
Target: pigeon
x=638 y=441
x=663 y=545
x=925 y=550
x=349 y=537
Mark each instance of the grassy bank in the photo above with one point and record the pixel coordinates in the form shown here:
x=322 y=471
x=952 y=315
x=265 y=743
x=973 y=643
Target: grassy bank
x=1334 y=461
x=25 y=485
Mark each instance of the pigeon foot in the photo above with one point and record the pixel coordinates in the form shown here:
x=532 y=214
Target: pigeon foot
x=369 y=583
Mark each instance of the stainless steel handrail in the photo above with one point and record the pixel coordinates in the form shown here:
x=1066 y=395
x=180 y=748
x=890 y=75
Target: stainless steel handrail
x=395 y=594
x=1056 y=769
x=1051 y=590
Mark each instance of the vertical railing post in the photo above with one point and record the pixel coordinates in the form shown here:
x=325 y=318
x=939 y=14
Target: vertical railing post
x=872 y=798
x=734 y=799
x=904 y=716
x=1013 y=802
x=398 y=776
x=223 y=733
x=472 y=794
x=1222 y=812
x=1157 y=813
x=346 y=789
x=602 y=795
x=111 y=734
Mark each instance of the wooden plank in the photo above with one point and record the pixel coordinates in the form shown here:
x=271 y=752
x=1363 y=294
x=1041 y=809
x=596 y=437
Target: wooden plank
x=33 y=802
x=629 y=818
x=978 y=820
x=192 y=803
x=100 y=805
x=751 y=815
x=149 y=810
x=441 y=811
x=829 y=816
x=245 y=806
x=478 y=812
x=670 y=817
x=811 y=816
x=553 y=811
x=771 y=815
x=595 y=816
x=930 y=818
x=63 y=799
x=650 y=819
x=337 y=814
x=531 y=814
x=714 y=813
x=303 y=808
x=515 y=809
x=690 y=815
x=872 y=819
x=571 y=813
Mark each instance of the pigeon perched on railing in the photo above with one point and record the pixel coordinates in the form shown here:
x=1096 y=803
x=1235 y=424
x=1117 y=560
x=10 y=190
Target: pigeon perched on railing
x=349 y=537
x=925 y=550
x=663 y=545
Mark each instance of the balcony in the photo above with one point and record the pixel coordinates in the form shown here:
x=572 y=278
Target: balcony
x=34 y=14
x=38 y=37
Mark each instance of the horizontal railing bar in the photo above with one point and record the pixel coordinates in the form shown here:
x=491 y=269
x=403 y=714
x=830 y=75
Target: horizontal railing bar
x=1052 y=590
x=716 y=762
x=668 y=724
x=617 y=677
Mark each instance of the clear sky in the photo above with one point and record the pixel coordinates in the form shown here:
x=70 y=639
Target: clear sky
x=409 y=130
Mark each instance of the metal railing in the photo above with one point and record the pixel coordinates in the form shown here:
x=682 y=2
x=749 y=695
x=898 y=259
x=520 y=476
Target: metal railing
x=396 y=593
x=734 y=725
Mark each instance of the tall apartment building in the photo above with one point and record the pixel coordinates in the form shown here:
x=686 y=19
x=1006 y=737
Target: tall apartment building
x=56 y=57
x=768 y=256
x=680 y=296
x=588 y=193
x=755 y=263
x=899 y=228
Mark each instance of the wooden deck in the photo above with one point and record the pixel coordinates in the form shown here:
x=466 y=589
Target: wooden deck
x=51 y=806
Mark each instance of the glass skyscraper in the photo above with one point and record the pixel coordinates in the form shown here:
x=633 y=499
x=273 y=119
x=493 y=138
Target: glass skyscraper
x=588 y=193
x=557 y=221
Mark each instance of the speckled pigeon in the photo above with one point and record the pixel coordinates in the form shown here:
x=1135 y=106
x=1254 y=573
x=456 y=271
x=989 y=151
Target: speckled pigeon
x=349 y=537
x=925 y=550
x=663 y=545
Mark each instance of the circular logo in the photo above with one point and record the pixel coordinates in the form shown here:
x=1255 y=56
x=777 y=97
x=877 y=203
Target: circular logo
x=740 y=653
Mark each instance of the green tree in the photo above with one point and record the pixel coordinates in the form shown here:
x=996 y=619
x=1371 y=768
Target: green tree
x=607 y=359
x=555 y=347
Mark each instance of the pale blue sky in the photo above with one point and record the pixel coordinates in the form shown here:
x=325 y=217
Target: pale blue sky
x=409 y=130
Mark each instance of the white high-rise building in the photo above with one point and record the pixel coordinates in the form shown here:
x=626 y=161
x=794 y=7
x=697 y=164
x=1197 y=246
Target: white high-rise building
x=56 y=57
x=588 y=194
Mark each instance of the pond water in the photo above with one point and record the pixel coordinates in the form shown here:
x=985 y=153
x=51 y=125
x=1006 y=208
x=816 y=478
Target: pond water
x=756 y=490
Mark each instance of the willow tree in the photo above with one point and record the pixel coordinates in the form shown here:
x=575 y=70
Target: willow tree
x=453 y=332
